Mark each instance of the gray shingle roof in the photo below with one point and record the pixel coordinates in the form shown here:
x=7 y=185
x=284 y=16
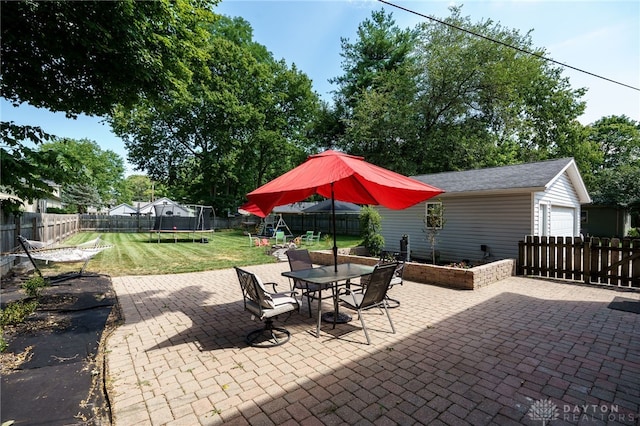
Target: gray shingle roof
x=529 y=175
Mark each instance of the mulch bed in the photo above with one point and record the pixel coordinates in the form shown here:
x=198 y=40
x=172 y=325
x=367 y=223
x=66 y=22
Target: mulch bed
x=53 y=371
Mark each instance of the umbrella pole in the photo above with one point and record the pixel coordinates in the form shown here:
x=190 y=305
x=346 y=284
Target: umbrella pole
x=335 y=244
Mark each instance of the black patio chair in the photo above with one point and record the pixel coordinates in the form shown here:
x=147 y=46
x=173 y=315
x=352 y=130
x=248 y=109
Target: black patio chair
x=395 y=280
x=265 y=306
x=373 y=295
x=298 y=260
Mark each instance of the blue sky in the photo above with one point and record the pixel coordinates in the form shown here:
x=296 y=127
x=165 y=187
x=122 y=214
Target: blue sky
x=602 y=37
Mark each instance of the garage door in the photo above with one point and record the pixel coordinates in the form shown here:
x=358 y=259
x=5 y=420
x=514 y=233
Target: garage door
x=562 y=221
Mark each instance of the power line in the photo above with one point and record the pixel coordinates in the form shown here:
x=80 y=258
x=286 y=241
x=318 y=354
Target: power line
x=537 y=55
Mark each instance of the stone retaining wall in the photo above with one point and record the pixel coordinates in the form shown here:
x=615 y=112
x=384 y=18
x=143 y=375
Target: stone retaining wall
x=460 y=278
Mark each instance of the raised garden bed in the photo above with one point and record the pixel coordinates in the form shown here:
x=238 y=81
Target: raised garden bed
x=447 y=276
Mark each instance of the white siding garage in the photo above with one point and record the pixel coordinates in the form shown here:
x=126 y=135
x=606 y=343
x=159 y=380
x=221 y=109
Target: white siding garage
x=563 y=220
x=487 y=211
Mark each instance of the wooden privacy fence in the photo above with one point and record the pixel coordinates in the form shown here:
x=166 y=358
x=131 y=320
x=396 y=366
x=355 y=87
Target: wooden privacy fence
x=48 y=227
x=105 y=223
x=606 y=261
x=142 y=223
x=346 y=224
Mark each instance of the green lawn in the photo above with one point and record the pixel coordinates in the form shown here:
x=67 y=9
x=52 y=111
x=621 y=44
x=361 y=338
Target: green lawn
x=138 y=254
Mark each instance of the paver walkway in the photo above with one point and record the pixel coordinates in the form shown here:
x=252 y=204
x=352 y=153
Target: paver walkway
x=521 y=351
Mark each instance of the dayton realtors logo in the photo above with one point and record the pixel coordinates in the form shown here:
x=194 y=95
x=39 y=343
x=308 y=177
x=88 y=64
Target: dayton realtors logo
x=545 y=410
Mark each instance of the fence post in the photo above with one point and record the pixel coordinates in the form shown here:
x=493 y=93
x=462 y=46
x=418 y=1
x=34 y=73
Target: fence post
x=544 y=256
x=586 y=261
x=635 y=267
x=535 y=248
x=18 y=223
x=560 y=264
x=553 y=255
x=605 y=253
x=577 y=258
x=35 y=233
x=519 y=268
x=626 y=266
x=615 y=258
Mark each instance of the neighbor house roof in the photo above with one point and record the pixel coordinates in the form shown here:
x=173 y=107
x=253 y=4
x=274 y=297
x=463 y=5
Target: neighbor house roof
x=293 y=208
x=528 y=177
x=124 y=207
x=342 y=207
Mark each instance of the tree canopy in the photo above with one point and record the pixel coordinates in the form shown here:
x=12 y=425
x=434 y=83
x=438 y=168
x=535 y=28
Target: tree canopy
x=94 y=176
x=434 y=98
x=209 y=114
x=225 y=134
x=86 y=57
x=616 y=171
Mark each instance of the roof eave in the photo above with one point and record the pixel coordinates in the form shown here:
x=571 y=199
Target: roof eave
x=502 y=191
x=576 y=179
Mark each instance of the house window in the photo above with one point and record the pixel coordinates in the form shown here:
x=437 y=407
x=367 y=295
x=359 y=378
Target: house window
x=434 y=215
x=584 y=216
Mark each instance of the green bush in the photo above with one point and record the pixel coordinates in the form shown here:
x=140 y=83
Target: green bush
x=633 y=233
x=370 y=225
x=3 y=343
x=16 y=312
x=33 y=286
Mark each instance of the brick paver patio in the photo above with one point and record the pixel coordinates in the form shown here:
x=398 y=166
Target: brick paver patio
x=521 y=351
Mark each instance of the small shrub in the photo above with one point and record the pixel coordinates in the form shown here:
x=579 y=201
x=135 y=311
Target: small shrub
x=33 y=286
x=433 y=223
x=370 y=225
x=463 y=265
x=16 y=312
x=633 y=233
x=3 y=343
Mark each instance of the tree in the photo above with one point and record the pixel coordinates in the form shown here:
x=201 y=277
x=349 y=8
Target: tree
x=486 y=104
x=86 y=57
x=376 y=92
x=226 y=134
x=88 y=166
x=26 y=171
x=618 y=139
x=433 y=221
x=140 y=188
x=80 y=197
x=436 y=98
x=616 y=176
x=381 y=46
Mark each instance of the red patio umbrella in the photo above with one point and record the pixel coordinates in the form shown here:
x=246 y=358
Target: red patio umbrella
x=339 y=176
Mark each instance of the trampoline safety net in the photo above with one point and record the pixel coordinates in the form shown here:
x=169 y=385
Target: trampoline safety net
x=191 y=218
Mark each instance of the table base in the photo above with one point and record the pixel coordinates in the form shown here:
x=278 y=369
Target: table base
x=341 y=319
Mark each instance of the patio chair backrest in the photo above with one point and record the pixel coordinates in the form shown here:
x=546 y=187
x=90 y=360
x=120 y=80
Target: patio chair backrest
x=279 y=235
x=299 y=259
x=378 y=285
x=253 y=292
x=398 y=273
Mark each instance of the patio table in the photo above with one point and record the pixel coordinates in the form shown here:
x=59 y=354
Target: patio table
x=330 y=275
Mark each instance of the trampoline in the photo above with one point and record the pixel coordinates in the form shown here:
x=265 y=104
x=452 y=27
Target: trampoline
x=195 y=225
